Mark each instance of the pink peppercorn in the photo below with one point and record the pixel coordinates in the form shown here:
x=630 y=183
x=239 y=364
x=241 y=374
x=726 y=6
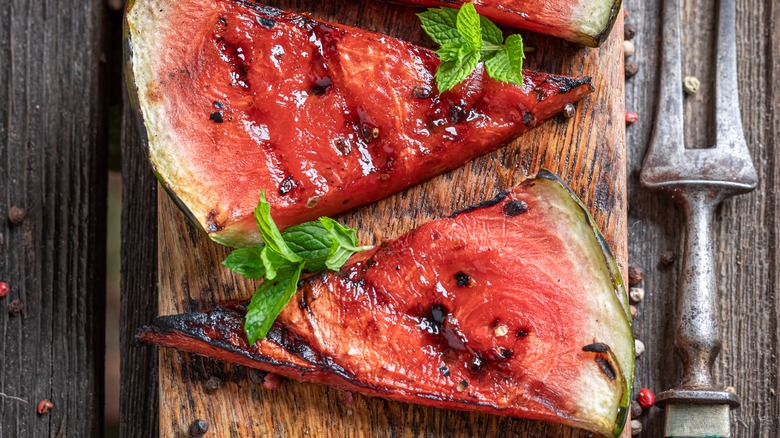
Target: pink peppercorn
x=646 y=398
x=3 y=289
x=631 y=117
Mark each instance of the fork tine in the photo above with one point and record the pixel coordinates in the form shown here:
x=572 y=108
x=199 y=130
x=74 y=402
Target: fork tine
x=668 y=137
x=730 y=137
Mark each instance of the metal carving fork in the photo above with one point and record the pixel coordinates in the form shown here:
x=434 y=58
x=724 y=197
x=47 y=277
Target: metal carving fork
x=699 y=179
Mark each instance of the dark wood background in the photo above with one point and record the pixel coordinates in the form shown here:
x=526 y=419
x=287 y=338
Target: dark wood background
x=58 y=71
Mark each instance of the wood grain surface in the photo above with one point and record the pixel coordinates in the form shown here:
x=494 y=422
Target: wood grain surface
x=52 y=165
x=587 y=150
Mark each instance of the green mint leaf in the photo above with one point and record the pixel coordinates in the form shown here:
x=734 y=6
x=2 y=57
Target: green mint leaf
x=451 y=73
x=344 y=243
x=507 y=64
x=441 y=25
x=272 y=262
x=270 y=233
x=311 y=242
x=246 y=262
x=268 y=301
x=514 y=49
x=491 y=34
x=469 y=27
x=452 y=52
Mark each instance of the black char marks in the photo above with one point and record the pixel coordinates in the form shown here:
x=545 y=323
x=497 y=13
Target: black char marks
x=484 y=204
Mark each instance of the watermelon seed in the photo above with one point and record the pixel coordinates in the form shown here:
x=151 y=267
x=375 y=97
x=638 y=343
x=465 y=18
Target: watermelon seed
x=457 y=113
x=521 y=333
x=216 y=116
x=462 y=385
x=421 y=92
x=514 y=208
x=501 y=331
x=596 y=347
x=606 y=367
x=462 y=279
x=218 y=104
x=444 y=370
x=312 y=201
x=266 y=22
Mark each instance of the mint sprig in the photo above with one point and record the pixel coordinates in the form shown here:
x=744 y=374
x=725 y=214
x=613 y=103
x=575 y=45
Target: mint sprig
x=465 y=38
x=311 y=247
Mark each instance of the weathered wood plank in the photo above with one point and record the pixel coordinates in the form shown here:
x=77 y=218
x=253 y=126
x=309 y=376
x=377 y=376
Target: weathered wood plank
x=587 y=150
x=747 y=241
x=138 y=366
x=52 y=163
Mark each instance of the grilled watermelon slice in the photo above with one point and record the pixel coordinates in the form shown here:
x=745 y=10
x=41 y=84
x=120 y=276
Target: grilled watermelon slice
x=587 y=22
x=512 y=307
x=237 y=98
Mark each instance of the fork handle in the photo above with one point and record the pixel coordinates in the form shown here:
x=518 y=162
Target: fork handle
x=698 y=335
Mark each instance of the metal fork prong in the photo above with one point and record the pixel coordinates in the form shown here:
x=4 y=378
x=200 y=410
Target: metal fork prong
x=730 y=137
x=668 y=137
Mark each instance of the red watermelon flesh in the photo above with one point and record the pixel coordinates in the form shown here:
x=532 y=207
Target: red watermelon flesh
x=237 y=98
x=514 y=307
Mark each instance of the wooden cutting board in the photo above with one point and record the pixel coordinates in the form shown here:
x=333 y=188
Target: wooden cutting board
x=588 y=151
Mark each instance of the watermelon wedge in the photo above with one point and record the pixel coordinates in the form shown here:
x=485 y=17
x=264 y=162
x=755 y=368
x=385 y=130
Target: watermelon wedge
x=587 y=22
x=513 y=307
x=237 y=98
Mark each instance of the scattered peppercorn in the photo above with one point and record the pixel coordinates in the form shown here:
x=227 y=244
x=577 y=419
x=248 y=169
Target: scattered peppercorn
x=636 y=427
x=45 y=406
x=198 y=428
x=639 y=347
x=15 y=307
x=346 y=398
x=634 y=312
x=213 y=384
x=631 y=117
x=628 y=49
x=668 y=257
x=636 y=410
x=635 y=275
x=271 y=381
x=631 y=69
x=3 y=289
x=691 y=84
x=568 y=110
x=16 y=215
x=646 y=398
x=629 y=31
x=636 y=294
